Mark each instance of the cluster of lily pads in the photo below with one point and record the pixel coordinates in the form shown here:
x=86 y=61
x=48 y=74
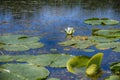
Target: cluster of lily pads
x=19 y=42
x=101 y=39
x=30 y=67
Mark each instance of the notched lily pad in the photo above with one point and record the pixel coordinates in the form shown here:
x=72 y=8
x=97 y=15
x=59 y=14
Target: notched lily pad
x=23 y=72
x=102 y=21
x=19 y=42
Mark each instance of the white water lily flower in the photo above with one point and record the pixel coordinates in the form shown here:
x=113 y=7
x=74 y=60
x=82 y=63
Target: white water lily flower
x=69 y=30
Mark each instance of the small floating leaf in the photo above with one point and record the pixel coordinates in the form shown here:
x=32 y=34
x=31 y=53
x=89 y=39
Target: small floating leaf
x=6 y=58
x=113 y=77
x=76 y=63
x=23 y=72
x=53 y=79
x=115 y=67
x=89 y=50
x=104 y=46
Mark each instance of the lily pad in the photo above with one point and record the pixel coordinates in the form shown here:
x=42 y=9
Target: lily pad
x=79 y=44
x=77 y=64
x=100 y=39
x=23 y=72
x=93 y=64
x=96 y=59
x=102 y=21
x=53 y=60
x=108 y=33
x=113 y=77
x=6 y=58
x=19 y=42
x=113 y=45
x=115 y=67
x=53 y=79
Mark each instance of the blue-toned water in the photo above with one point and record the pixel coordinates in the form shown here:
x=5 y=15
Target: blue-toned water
x=49 y=18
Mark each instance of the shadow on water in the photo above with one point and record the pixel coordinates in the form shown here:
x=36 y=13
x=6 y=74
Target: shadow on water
x=49 y=18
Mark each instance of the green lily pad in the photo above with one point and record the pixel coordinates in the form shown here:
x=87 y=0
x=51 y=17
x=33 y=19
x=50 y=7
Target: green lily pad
x=53 y=79
x=19 y=42
x=79 y=44
x=113 y=45
x=104 y=46
x=53 y=60
x=115 y=67
x=108 y=33
x=6 y=58
x=23 y=72
x=89 y=50
x=96 y=59
x=93 y=64
x=102 y=21
x=77 y=64
x=113 y=77
x=100 y=39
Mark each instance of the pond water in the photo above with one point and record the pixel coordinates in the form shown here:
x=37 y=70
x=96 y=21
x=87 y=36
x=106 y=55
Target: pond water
x=49 y=18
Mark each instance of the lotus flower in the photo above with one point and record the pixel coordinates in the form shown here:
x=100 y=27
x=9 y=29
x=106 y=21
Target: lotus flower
x=69 y=30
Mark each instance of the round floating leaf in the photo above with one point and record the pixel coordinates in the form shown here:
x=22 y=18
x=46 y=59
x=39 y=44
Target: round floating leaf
x=115 y=67
x=19 y=42
x=68 y=43
x=100 y=39
x=60 y=61
x=103 y=46
x=117 y=49
x=77 y=63
x=108 y=33
x=89 y=50
x=53 y=79
x=23 y=72
x=43 y=60
x=53 y=60
x=113 y=77
x=6 y=58
x=102 y=21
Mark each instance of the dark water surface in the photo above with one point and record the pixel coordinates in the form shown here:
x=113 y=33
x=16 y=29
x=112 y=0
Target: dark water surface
x=49 y=18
